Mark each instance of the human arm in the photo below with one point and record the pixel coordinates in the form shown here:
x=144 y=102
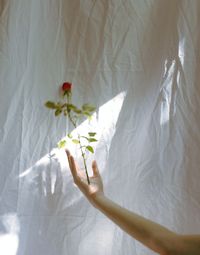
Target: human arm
x=151 y=234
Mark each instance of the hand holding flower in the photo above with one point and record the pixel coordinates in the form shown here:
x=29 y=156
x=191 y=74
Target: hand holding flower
x=96 y=185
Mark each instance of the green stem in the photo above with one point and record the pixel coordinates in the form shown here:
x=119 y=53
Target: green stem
x=81 y=147
x=84 y=159
x=72 y=121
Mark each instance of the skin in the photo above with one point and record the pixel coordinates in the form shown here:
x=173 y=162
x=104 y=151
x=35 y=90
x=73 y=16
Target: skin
x=154 y=236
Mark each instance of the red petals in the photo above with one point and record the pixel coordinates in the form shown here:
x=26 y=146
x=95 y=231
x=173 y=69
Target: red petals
x=67 y=86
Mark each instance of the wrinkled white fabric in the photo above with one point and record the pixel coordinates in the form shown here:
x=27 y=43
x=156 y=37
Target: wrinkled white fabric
x=138 y=62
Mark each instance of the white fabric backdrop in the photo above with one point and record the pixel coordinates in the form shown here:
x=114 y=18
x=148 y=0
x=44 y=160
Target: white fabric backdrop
x=138 y=62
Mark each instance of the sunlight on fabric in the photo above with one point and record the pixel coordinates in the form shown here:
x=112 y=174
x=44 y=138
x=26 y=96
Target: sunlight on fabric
x=101 y=236
x=167 y=90
x=43 y=161
x=181 y=50
x=47 y=170
x=9 y=241
x=103 y=123
x=109 y=112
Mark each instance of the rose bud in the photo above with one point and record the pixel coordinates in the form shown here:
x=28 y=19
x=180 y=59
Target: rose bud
x=67 y=86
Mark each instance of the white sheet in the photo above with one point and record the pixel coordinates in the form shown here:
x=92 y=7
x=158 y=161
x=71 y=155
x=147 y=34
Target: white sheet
x=138 y=62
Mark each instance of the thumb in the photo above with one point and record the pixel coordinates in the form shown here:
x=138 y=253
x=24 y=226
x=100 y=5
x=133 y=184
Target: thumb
x=95 y=168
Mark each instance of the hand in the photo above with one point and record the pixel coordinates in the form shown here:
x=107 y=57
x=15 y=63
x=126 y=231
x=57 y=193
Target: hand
x=92 y=190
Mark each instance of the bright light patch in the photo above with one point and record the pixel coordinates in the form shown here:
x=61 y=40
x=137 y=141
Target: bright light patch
x=43 y=161
x=181 y=50
x=9 y=241
x=9 y=244
x=101 y=236
x=103 y=123
x=167 y=92
x=109 y=112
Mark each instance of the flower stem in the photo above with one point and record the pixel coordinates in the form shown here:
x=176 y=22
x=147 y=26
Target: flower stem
x=84 y=159
x=81 y=147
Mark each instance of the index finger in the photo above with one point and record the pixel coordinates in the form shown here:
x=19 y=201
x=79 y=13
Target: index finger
x=72 y=165
x=68 y=157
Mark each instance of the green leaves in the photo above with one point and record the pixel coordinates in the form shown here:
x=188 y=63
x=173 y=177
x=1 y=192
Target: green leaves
x=91 y=134
x=74 y=113
x=70 y=136
x=67 y=109
x=58 y=112
x=62 y=144
x=88 y=108
x=92 y=140
x=70 y=106
x=50 y=105
x=54 y=106
x=89 y=148
x=89 y=139
x=75 y=141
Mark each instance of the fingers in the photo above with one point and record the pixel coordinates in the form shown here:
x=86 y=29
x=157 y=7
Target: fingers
x=79 y=176
x=95 y=168
x=80 y=182
x=68 y=156
x=72 y=166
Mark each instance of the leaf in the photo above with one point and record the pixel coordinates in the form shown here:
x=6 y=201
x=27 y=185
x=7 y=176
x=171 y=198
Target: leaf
x=61 y=144
x=85 y=137
x=91 y=133
x=77 y=111
x=75 y=141
x=89 y=118
x=89 y=148
x=71 y=106
x=86 y=113
x=50 y=105
x=58 y=112
x=91 y=140
x=69 y=135
x=88 y=108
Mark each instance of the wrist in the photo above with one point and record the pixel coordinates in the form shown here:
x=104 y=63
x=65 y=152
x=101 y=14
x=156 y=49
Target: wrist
x=98 y=200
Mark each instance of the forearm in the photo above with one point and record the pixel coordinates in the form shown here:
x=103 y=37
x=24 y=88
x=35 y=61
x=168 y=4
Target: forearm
x=151 y=234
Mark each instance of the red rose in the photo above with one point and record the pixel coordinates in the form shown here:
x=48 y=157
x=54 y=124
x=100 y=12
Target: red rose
x=67 y=86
